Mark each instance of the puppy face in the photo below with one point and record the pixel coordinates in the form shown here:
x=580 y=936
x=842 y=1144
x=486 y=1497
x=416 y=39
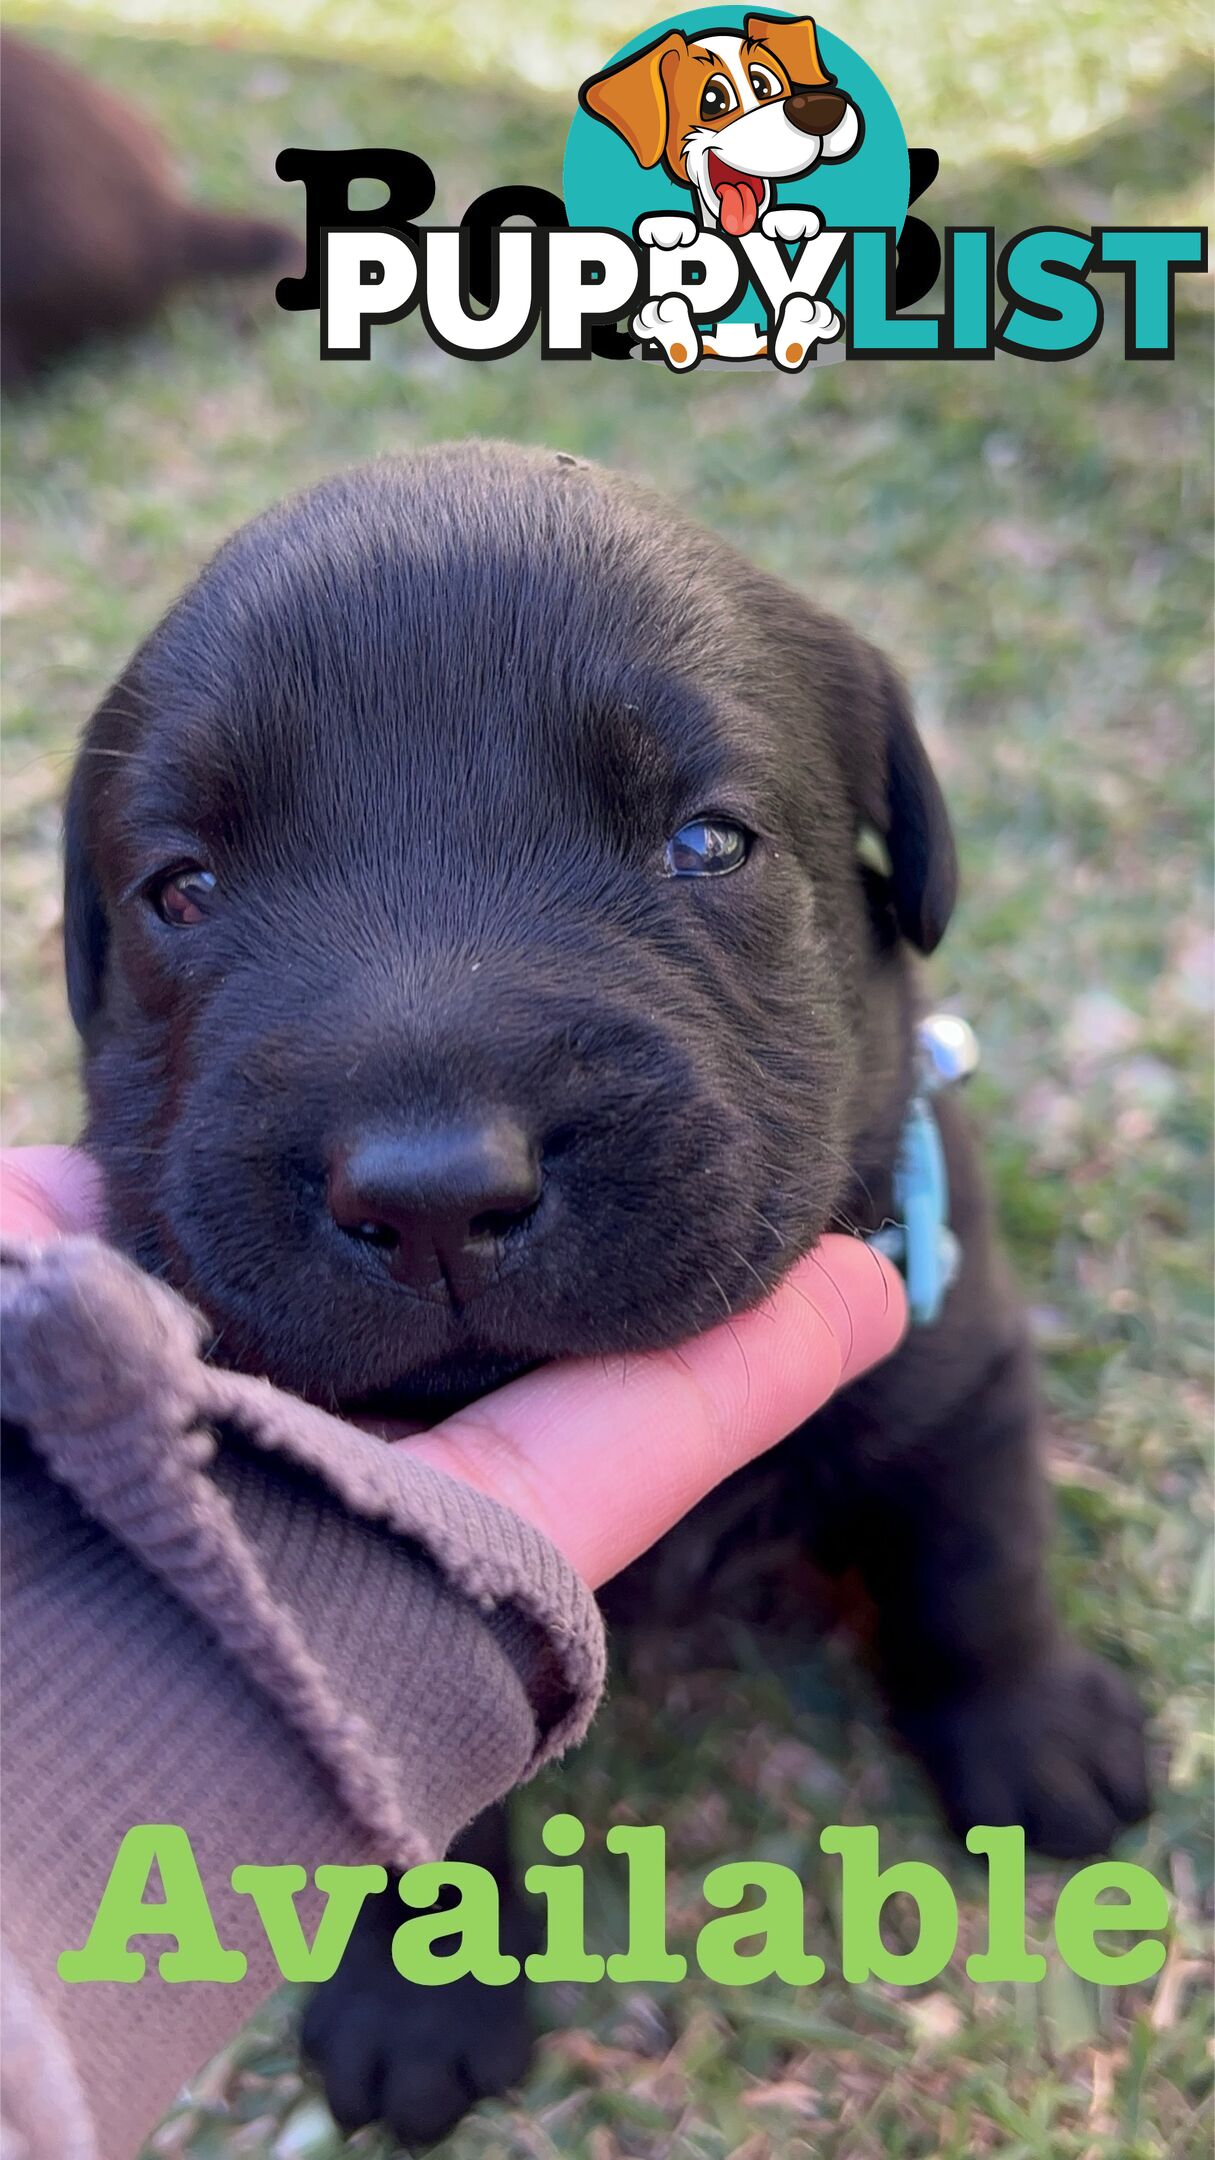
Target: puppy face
x=465 y=926
x=727 y=115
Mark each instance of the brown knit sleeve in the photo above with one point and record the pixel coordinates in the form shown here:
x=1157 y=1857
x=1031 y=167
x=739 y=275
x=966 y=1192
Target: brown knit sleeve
x=222 y=1608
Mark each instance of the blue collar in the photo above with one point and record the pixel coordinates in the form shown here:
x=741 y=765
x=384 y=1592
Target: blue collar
x=919 y=1240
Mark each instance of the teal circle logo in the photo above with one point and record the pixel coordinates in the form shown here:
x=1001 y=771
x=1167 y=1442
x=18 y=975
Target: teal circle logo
x=606 y=183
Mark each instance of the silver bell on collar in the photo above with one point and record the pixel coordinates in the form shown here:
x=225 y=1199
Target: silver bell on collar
x=948 y=1049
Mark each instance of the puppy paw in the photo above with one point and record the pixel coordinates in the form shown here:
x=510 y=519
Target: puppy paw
x=667 y=229
x=668 y=322
x=803 y=325
x=1061 y=1754
x=791 y=222
x=414 y=2058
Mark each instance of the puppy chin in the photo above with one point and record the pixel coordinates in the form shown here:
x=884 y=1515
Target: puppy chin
x=437 y=1391
x=382 y=1357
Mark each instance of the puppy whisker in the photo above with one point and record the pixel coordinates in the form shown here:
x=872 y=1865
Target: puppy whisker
x=767 y=1224
x=751 y=1269
x=743 y=1355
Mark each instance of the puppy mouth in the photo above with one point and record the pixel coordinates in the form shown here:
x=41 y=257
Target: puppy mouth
x=740 y=195
x=420 y=1400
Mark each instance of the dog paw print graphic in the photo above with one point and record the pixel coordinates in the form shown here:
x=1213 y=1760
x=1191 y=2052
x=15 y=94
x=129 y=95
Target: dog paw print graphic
x=702 y=137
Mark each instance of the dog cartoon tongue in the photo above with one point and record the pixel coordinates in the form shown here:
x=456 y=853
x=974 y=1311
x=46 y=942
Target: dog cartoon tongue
x=739 y=196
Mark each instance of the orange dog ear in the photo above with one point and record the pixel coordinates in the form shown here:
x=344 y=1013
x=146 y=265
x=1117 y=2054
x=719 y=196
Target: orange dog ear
x=794 y=45
x=632 y=97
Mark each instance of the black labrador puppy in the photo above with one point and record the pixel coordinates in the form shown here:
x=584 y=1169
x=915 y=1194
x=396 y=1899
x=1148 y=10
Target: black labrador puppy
x=476 y=966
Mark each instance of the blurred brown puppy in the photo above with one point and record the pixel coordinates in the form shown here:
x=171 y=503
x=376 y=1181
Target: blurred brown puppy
x=93 y=231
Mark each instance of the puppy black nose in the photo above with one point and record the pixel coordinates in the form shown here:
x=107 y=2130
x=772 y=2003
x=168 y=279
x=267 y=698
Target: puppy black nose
x=437 y=1203
x=816 y=112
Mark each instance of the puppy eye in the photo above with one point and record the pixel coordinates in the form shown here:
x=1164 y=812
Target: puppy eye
x=183 y=897
x=716 y=98
x=707 y=847
x=763 y=84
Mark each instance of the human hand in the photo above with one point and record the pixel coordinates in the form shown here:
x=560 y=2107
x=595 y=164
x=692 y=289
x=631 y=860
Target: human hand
x=604 y=1455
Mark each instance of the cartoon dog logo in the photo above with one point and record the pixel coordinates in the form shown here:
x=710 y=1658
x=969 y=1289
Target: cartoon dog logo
x=727 y=115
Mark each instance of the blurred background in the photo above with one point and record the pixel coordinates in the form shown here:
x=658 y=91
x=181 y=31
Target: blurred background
x=1034 y=541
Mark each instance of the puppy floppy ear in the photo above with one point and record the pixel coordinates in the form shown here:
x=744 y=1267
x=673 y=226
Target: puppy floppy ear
x=632 y=97
x=896 y=793
x=794 y=45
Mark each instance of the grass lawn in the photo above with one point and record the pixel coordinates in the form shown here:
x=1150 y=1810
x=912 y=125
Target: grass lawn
x=1034 y=541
